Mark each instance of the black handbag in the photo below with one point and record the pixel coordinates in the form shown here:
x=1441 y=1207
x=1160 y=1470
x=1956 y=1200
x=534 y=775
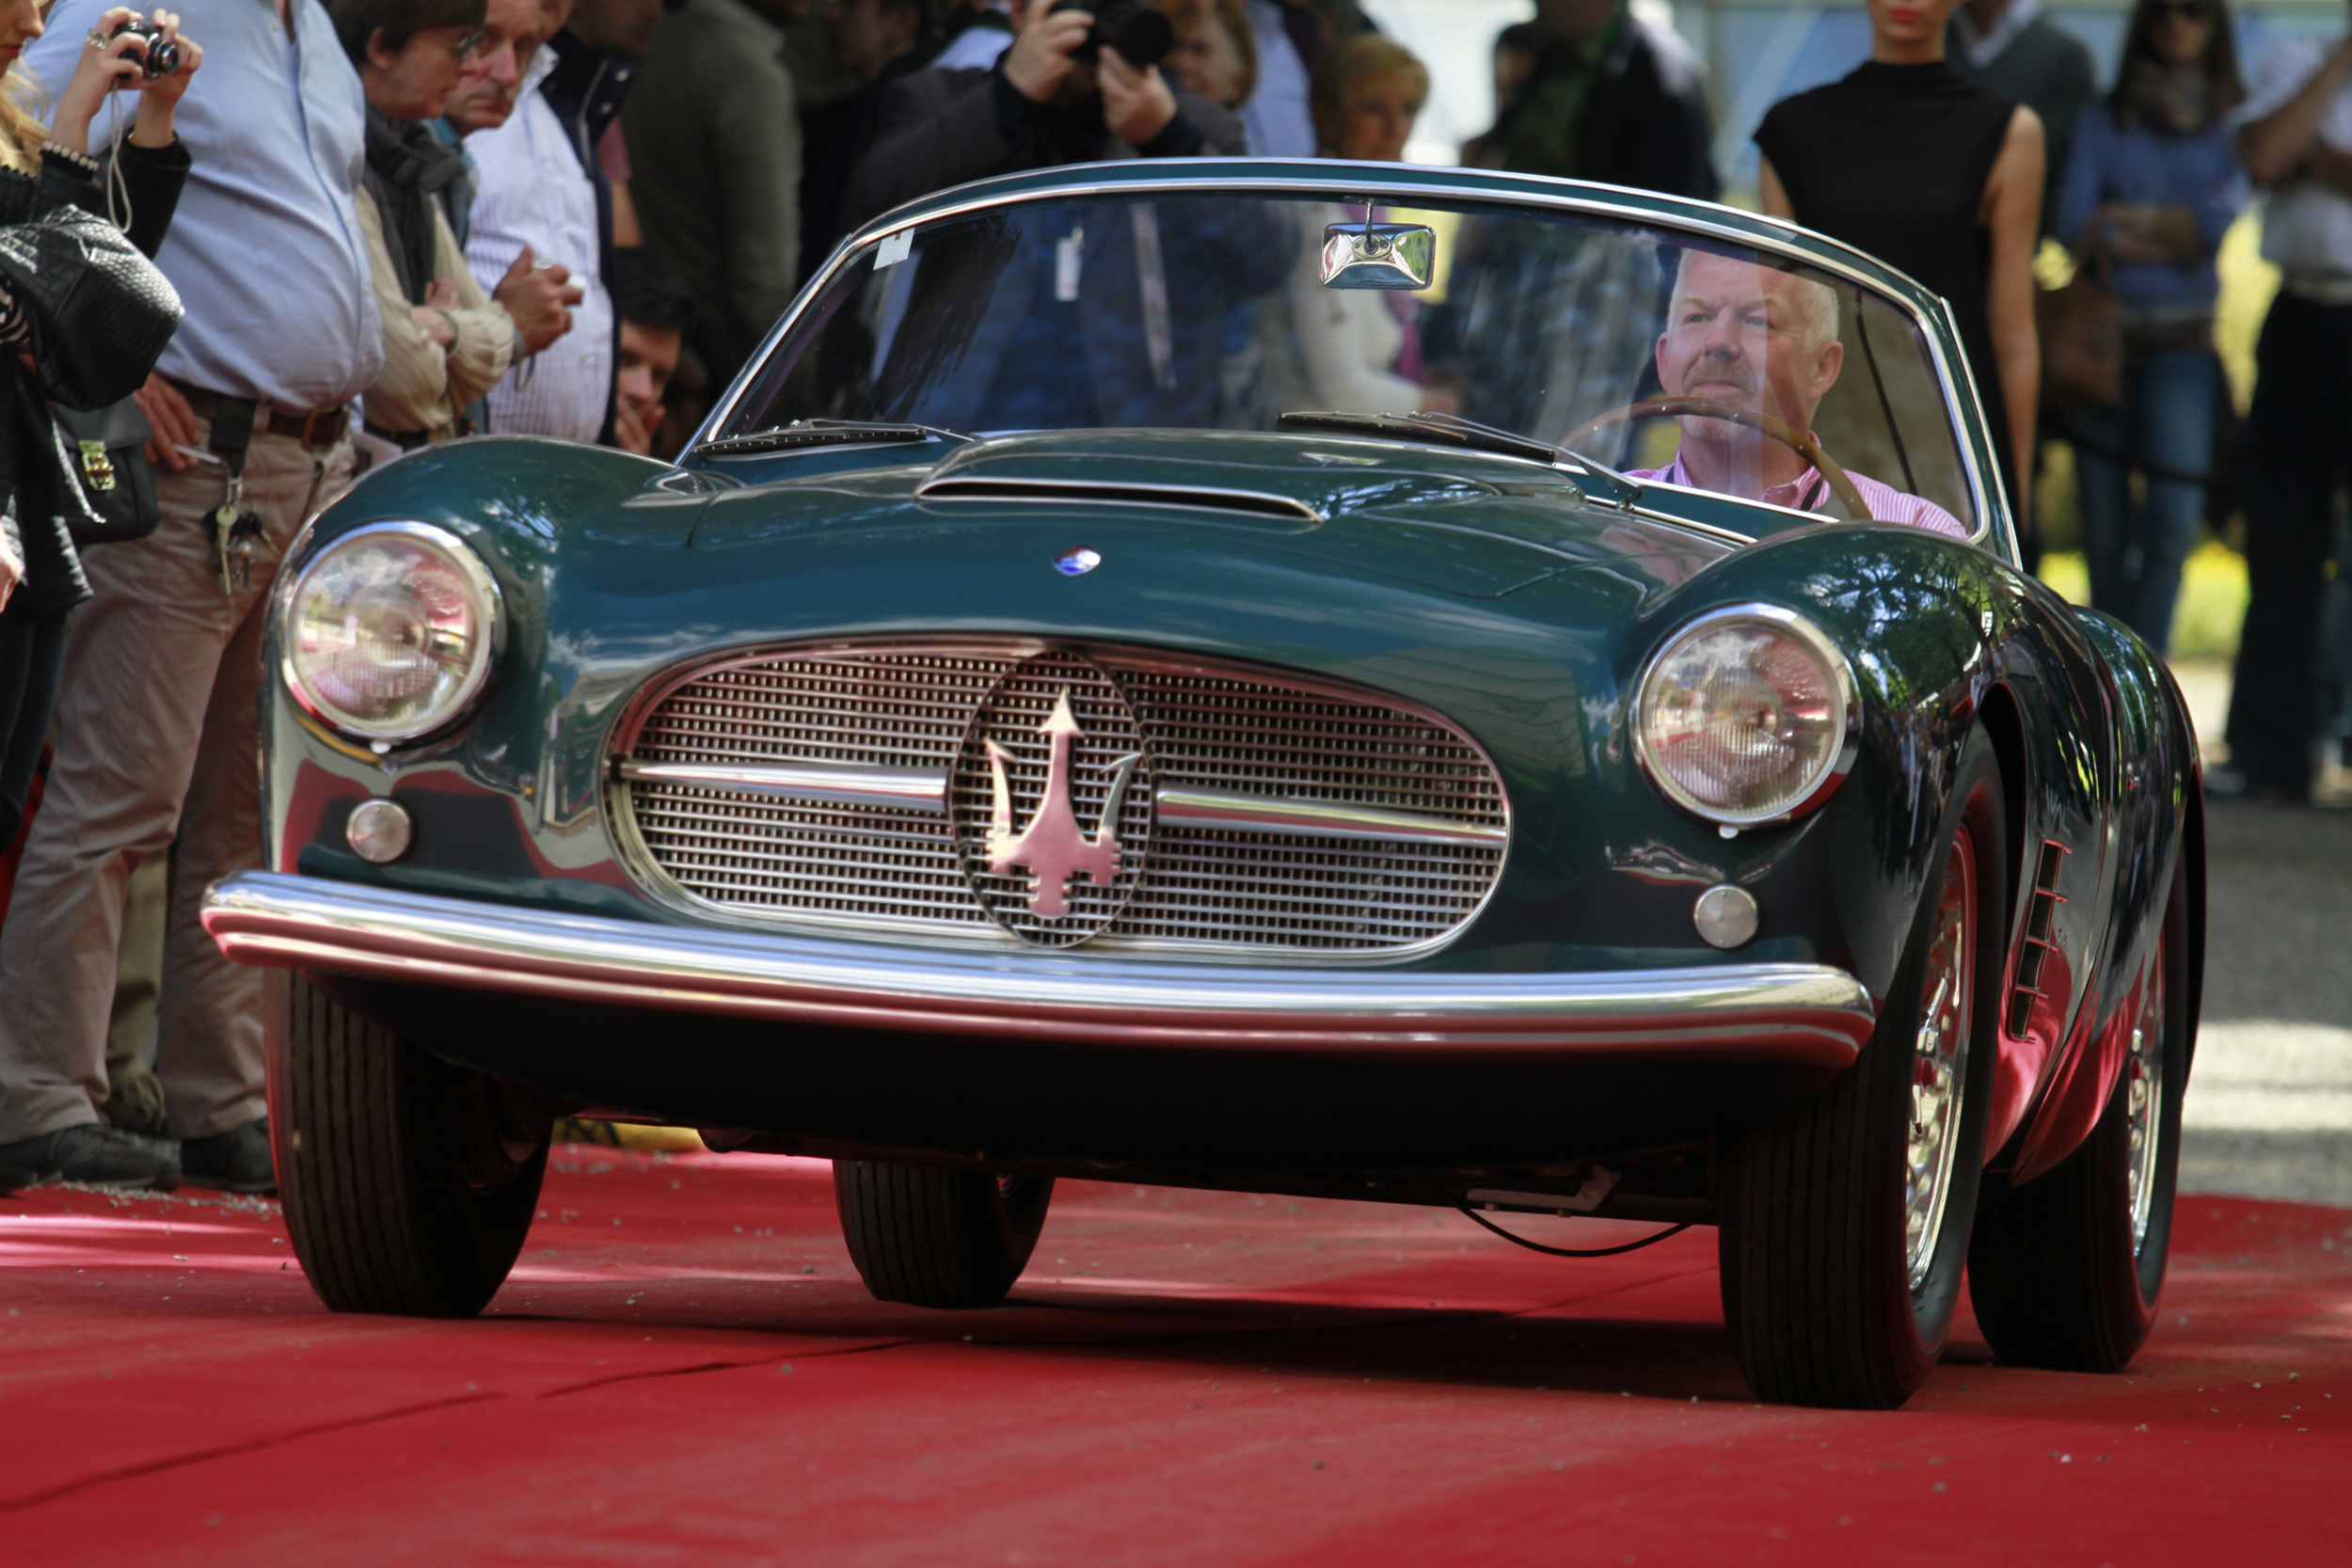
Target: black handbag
x=103 y=453
x=100 y=312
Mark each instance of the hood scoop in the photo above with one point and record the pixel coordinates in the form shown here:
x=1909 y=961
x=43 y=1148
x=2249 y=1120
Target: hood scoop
x=1099 y=492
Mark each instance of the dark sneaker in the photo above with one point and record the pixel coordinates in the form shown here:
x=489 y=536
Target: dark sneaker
x=91 y=1152
x=237 y=1160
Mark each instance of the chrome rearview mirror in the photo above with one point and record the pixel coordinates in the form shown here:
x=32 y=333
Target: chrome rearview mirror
x=1378 y=255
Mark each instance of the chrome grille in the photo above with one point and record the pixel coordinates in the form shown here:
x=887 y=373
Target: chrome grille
x=1244 y=734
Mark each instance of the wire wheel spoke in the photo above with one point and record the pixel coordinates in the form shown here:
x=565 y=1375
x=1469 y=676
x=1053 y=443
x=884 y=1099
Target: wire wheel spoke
x=1938 y=1062
x=2145 y=1105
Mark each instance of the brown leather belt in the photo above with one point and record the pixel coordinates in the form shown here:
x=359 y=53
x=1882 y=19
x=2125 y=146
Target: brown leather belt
x=314 y=429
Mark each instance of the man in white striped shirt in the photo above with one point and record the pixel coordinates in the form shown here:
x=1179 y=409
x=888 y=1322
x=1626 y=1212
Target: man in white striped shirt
x=534 y=195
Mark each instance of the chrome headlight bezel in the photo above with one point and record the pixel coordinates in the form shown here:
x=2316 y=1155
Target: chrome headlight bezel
x=1846 y=723
x=485 y=602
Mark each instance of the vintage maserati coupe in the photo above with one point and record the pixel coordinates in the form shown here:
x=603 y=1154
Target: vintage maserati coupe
x=1412 y=684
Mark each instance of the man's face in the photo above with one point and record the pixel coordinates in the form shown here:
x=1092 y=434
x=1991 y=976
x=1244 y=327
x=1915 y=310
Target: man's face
x=648 y=359
x=616 y=26
x=1740 y=334
x=484 y=95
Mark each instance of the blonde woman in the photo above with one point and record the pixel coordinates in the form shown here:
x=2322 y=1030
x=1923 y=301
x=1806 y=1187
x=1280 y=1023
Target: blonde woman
x=41 y=576
x=1359 y=350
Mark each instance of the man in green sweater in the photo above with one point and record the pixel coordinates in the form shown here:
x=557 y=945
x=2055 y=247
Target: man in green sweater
x=714 y=146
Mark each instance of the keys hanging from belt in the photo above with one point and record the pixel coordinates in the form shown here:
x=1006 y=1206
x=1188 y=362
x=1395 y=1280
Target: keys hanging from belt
x=235 y=527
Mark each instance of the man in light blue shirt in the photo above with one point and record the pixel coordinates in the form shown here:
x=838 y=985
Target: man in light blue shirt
x=265 y=247
x=158 y=718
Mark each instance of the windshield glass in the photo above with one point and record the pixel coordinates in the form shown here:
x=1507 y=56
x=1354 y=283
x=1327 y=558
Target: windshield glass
x=1683 y=360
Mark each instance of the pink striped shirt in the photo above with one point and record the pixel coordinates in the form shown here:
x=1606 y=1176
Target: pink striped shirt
x=1808 y=489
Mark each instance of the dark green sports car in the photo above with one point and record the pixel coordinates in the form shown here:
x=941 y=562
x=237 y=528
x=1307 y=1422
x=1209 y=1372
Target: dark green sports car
x=1387 y=683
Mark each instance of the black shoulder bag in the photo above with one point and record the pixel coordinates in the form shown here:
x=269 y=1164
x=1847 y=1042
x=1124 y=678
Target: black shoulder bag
x=101 y=314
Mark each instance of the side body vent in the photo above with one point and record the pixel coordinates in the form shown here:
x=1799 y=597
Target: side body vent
x=2040 y=942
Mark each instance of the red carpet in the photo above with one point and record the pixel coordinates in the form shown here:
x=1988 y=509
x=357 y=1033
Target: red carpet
x=685 y=1369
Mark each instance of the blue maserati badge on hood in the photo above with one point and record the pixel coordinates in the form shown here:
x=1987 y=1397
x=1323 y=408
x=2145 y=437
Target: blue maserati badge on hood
x=1077 y=562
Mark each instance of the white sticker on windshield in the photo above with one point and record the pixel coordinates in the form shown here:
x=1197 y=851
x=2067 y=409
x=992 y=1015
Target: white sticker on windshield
x=1069 y=254
x=893 y=248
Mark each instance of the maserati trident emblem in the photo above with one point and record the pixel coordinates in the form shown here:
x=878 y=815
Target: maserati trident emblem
x=1053 y=847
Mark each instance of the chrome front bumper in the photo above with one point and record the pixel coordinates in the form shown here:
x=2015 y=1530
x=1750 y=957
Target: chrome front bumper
x=1792 y=1014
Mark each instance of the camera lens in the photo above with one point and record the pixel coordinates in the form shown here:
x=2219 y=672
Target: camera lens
x=1142 y=36
x=162 y=58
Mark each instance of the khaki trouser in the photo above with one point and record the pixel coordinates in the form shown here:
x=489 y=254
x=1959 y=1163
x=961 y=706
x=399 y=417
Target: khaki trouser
x=157 y=732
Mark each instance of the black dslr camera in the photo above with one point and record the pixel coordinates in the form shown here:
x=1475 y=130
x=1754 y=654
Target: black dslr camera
x=163 y=57
x=1142 y=36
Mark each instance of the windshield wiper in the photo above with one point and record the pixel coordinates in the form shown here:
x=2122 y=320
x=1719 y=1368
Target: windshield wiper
x=829 y=433
x=1444 y=428
x=1629 y=488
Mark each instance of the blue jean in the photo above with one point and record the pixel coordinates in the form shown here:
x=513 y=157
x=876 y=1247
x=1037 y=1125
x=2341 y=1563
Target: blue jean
x=2135 y=547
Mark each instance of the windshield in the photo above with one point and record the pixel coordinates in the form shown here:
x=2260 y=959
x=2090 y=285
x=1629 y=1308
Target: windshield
x=1682 y=361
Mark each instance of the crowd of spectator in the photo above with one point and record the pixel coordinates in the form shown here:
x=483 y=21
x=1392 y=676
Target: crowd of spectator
x=393 y=223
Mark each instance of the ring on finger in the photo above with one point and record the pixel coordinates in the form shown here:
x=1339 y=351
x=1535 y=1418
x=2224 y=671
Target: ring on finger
x=97 y=38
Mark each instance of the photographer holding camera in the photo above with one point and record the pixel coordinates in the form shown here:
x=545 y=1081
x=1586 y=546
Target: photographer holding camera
x=1076 y=86
x=157 y=729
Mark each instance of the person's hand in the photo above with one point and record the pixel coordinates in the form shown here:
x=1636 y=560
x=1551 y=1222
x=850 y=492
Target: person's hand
x=1137 y=104
x=539 y=299
x=172 y=420
x=1040 y=56
x=436 y=326
x=159 y=98
x=12 y=567
x=107 y=64
x=629 y=433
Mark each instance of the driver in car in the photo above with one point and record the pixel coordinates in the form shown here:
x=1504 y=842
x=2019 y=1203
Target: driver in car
x=1764 y=342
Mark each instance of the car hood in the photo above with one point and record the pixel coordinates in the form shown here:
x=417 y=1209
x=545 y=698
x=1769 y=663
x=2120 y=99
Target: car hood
x=1467 y=523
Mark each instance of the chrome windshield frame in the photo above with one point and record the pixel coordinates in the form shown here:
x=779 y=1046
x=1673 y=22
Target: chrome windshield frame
x=1994 y=529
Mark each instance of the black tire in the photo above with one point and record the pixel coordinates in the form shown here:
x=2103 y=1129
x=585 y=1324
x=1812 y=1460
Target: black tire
x=939 y=1238
x=409 y=1183
x=2058 y=1273
x=1815 y=1256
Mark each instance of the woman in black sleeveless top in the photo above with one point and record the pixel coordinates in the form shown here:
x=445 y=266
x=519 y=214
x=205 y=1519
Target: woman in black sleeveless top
x=1908 y=160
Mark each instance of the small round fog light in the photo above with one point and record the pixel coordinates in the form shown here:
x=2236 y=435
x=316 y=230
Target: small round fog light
x=1726 y=915
x=379 y=832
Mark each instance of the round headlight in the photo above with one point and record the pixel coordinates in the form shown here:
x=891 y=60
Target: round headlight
x=1745 y=718
x=389 y=631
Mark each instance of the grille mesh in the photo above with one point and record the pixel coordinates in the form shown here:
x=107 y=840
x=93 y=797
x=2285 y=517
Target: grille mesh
x=913 y=707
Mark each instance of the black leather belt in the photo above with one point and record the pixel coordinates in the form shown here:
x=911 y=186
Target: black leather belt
x=313 y=429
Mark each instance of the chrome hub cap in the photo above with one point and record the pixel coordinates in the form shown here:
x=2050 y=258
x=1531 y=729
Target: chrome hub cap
x=2143 y=1090
x=1939 y=1060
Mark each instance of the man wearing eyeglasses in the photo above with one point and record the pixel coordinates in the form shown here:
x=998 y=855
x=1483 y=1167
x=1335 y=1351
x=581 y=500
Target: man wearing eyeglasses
x=2295 y=135
x=446 y=342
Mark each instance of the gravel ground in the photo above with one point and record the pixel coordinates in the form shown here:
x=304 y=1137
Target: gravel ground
x=2270 y=1108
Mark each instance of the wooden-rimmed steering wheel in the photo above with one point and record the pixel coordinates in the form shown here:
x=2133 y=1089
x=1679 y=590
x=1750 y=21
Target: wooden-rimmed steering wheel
x=1800 y=442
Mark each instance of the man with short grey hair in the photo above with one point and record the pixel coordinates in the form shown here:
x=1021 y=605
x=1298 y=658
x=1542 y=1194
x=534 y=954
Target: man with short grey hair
x=1763 y=342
